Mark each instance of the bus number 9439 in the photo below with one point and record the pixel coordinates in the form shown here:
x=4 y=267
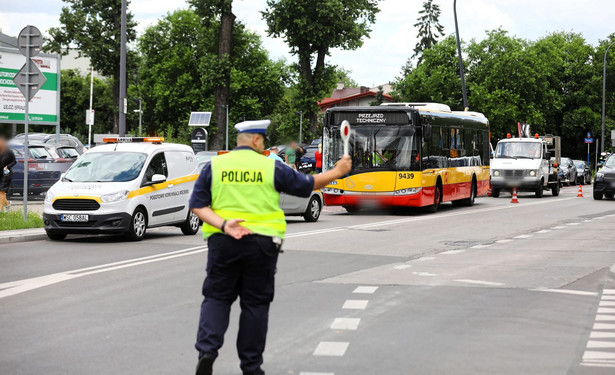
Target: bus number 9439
x=407 y=176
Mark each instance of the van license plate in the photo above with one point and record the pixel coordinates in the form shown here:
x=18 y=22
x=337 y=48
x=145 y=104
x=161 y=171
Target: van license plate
x=75 y=218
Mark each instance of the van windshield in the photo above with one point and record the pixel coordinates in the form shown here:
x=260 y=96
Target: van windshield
x=518 y=150
x=106 y=167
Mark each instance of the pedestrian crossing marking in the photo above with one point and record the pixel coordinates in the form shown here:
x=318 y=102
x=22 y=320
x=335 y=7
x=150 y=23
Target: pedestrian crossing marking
x=331 y=349
x=365 y=289
x=355 y=304
x=351 y=324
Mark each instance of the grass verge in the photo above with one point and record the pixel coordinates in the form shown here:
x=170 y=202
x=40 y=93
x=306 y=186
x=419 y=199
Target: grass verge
x=14 y=220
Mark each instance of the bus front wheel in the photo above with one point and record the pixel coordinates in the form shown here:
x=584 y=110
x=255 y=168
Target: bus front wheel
x=437 y=199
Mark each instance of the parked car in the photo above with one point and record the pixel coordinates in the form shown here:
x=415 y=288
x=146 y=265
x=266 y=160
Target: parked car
x=584 y=173
x=316 y=142
x=50 y=140
x=569 y=171
x=307 y=164
x=604 y=183
x=43 y=169
x=204 y=157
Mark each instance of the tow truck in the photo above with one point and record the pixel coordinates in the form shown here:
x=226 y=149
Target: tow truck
x=527 y=164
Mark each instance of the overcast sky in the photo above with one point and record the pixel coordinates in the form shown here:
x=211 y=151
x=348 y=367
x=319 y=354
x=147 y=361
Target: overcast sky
x=393 y=36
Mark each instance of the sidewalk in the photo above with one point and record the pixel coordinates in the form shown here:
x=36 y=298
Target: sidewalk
x=34 y=207
x=22 y=235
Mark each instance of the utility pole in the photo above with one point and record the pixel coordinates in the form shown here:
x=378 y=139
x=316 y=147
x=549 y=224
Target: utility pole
x=300 y=113
x=122 y=115
x=461 y=73
x=91 y=119
x=604 y=96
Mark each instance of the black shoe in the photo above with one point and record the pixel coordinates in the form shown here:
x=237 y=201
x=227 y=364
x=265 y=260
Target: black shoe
x=257 y=372
x=205 y=366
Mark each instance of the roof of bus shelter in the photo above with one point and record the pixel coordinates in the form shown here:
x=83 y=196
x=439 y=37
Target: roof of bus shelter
x=332 y=102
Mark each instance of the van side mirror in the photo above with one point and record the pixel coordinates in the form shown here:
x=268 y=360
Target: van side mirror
x=157 y=179
x=547 y=155
x=427 y=133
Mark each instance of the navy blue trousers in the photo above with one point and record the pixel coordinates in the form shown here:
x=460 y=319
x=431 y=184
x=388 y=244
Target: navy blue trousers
x=242 y=268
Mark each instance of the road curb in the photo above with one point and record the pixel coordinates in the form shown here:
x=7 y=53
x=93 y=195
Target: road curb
x=22 y=236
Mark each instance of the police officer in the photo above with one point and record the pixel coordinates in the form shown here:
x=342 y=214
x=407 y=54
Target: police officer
x=237 y=197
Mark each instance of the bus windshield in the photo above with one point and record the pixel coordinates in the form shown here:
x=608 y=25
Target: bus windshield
x=518 y=150
x=372 y=148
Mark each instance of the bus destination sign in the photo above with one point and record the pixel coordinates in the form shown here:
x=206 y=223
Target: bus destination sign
x=372 y=118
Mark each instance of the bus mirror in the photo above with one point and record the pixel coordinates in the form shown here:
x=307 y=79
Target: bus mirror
x=427 y=133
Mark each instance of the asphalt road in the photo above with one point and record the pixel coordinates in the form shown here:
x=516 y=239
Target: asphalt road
x=497 y=288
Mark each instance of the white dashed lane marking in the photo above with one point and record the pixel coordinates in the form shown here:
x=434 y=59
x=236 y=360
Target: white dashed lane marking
x=543 y=231
x=402 y=267
x=523 y=236
x=423 y=259
x=355 y=304
x=424 y=274
x=452 y=252
x=504 y=241
x=346 y=323
x=316 y=373
x=481 y=246
x=565 y=291
x=366 y=289
x=479 y=282
x=331 y=348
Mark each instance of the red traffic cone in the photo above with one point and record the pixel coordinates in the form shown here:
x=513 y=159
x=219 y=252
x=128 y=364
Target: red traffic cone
x=580 y=194
x=514 y=196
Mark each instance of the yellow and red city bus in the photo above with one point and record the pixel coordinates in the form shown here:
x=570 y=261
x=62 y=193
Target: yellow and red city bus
x=407 y=155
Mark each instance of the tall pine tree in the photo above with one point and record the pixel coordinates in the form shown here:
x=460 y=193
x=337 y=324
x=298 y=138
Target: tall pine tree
x=430 y=29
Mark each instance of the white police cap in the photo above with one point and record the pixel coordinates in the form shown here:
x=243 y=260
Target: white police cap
x=259 y=126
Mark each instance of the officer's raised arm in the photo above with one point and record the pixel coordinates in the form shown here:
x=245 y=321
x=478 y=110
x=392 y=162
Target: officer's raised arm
x=342 y=168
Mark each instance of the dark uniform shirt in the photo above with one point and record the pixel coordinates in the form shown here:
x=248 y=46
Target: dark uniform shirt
x=286 y=180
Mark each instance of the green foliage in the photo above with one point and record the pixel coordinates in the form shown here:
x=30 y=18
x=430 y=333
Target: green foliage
x=14 y=220
x=430 y=29
x=311 y=29
x=180 y=70
x=93 y=26
x=75 y=99
x=552 y=83
x=379 y=97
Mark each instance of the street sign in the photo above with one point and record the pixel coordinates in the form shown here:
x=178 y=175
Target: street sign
x=32 y=48
x=89 y=117
x=589 y=140
x=37 y=79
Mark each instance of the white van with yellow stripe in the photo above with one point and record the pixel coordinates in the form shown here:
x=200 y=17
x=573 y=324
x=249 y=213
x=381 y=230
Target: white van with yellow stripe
x=124 y=187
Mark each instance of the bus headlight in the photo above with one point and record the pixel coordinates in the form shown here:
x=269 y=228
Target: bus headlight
x=114 y=197
x=408 y=191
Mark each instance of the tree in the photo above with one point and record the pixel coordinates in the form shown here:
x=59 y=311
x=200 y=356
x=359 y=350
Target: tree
x=435 y=79
x=179 y=75
x=210 y=10
x=379 y=97
x=93 y=26
x=430 y=29
x=311 y=29
x=75 y=98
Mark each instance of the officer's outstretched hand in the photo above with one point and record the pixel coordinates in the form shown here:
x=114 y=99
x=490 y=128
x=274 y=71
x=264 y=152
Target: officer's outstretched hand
x=344 y=165
x=233 y=229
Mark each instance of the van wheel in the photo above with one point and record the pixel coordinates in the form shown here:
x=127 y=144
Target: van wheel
x=555 y=189
x=539 y=191
x=495 y=193
x=138 y=225
x=598 y=196
x=191 y=225
x=56 y=236
x=312 y=212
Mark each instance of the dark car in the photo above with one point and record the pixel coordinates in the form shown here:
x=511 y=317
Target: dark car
x=604 y=183
x=43 y=169
x=307 y=163
x=568 y=169
x=50 y=140
x=584 y=174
